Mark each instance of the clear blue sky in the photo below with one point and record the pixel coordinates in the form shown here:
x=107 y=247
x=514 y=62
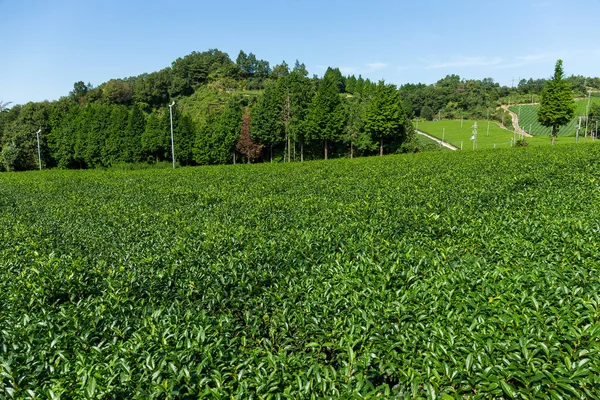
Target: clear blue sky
x=49 y=45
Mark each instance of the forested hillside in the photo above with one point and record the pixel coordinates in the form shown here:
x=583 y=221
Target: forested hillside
x=242 y=111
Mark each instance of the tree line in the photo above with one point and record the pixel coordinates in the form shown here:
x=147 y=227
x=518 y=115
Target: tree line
x=225 y=112
x=228 y=112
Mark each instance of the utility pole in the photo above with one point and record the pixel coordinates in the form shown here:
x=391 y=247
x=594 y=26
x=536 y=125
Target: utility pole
x=587 y=111
x=172 y=141
x=577 y=133
x=39 y=151
x=474 y=137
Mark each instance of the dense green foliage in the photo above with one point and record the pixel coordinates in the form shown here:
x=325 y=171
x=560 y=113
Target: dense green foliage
x=468 y=275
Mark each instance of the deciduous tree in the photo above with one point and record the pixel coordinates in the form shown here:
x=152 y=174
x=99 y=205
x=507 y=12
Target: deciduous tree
x=245 y=145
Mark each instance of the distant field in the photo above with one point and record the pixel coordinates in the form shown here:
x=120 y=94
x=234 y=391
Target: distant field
x=528 y=118
x=497 y=137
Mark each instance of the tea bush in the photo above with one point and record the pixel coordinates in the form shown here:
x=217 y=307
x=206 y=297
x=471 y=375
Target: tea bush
x=430 y=275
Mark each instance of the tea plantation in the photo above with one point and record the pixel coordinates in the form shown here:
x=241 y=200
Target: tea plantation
x=440 y=275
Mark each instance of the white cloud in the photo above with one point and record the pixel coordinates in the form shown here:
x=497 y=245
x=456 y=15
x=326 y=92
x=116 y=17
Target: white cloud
x=376 y=66
x=467 y=62
x=521 y=61
x=348 y=70
x=365 y=69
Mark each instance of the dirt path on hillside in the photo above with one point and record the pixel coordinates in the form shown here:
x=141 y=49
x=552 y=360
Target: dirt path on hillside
x=515 y=122
x=445 y=144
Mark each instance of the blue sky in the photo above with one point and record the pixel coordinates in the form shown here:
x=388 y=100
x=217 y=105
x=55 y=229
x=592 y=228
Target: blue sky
x=49 y=45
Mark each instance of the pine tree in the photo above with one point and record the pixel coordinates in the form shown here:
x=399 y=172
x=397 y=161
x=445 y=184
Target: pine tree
x=556 y=104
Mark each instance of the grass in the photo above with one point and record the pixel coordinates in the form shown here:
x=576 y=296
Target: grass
x=497 y=137
x=528 y=118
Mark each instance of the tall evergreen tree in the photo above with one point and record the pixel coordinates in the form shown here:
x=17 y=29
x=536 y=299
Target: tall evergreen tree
x=354 y=133
x=183 y=136
x=351 y=84
x=267 y=126
x=132 y=143
x=216 y=139
x=301 y=93
x=556 y=104
x=384 y=118
x=97 y=126
x=114 y=147
x=154 y=139
x=325 y=117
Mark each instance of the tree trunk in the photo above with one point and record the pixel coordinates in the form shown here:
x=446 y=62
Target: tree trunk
x=289 y=149
x=351 y=151
x=381 y=147
x=271 y=150
x=326 y=149
x=301 y=152
x=294 y=150
x=234 y=157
